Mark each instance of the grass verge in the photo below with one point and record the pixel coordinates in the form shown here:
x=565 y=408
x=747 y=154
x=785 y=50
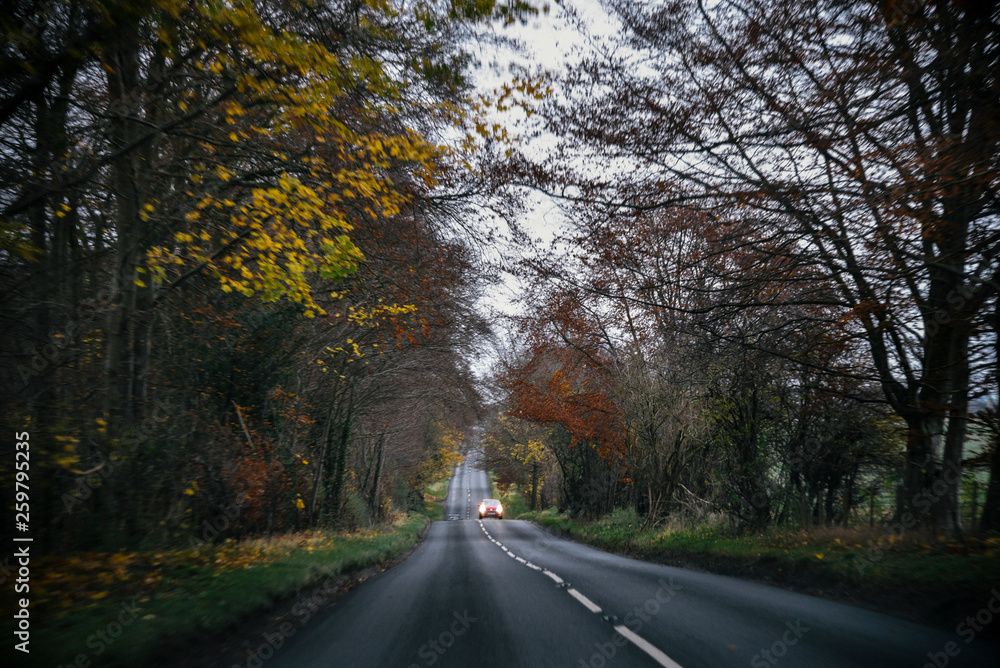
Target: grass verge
x=123 y=609
x=934 y=579
x=434 y=497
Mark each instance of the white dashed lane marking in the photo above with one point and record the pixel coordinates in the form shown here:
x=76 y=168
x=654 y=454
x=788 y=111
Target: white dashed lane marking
x=587 y=603
x=649 y=648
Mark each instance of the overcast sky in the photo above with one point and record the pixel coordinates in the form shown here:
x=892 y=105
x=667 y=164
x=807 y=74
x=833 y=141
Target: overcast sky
x=548 y=40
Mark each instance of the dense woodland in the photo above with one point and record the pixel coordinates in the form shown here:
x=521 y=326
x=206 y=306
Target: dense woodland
x=241 y=246
x=237 y=272
x=779 y=298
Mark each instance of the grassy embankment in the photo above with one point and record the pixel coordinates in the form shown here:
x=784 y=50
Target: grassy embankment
x=935 y=579
x=434 y=498
x=132 y=608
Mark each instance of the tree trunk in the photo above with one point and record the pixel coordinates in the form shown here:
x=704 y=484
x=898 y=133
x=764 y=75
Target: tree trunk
x=122 y=66
x=377 y=475
x=313 y=514
x=339 y=467
x=534 y=486
x=990 y=520
x=949 y=478
x=975 y=503
x=845 y=518
x=914 y=503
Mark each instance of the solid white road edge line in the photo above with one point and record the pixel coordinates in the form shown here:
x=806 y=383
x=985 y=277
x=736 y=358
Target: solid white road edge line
x=647 y=647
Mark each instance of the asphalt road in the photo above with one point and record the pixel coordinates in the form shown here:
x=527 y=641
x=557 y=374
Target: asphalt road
x=477 y=594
